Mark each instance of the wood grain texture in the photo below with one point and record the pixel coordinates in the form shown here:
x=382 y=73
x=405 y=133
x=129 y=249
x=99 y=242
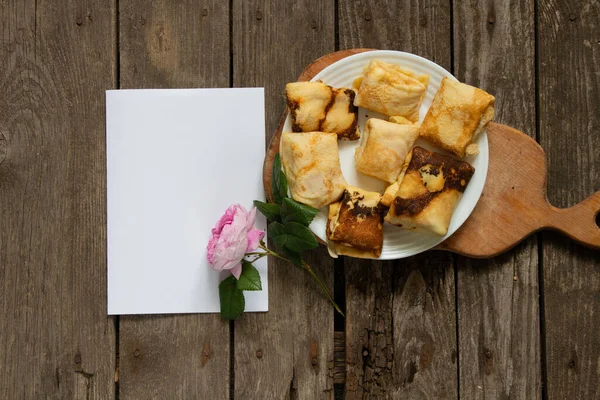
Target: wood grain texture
x=420 y=27
x=287 y=352
x=569 y=121
x=498 y=305
x=513 y=204
x=425 y=353
x=369 y=328
x=56 y=340
x=166 y=45
x=402 y=360
x=400 y=332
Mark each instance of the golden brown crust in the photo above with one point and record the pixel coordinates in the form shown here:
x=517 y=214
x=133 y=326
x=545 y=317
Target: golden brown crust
x=398 y=119
x=312 y=166
x=383 y=148
x=391 y=90
x=458 y=114
x=454 y=170
x=315 y=106
x=357 y=222
x=429 y=192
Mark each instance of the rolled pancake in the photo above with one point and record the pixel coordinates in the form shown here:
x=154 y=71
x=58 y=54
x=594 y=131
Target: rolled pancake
x=429 y=192
x=355 y=224
x=311 y=164
x=315 y=106
x=457 y=116
x=391 y=90
x=384 y=147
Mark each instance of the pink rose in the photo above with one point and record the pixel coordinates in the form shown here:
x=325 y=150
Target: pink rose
x=232 y=237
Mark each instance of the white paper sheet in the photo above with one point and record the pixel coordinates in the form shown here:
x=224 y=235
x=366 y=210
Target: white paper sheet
x=176 y=159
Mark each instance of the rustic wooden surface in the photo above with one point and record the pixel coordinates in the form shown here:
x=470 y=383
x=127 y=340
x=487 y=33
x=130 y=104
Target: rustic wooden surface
x=287 y=352
x=56 y=340
x=569 y=59
x=497 y=300
x=174 y=356
x=523 y=325
x=401 y=320
x=513 y=204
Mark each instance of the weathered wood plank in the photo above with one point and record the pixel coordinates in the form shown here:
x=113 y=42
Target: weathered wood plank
x=369 y=328
x=56 y=340
x=401 y=319
x=498 y=306
x=400 y=333
x=182 y=43
x=569 y=121
x=420 y=27
x=425 y=328
x=287 y=352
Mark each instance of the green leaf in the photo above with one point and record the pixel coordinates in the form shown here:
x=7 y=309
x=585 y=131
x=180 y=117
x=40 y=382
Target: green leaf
x=279 y=186
x=299 y=238
x=294 y=257
x=250 y=278
x=270 y=210
x=232 y=299
x=298 y=212
x=291 y=236
x=276 y=232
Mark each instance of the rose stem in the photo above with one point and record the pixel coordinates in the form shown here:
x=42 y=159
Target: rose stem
x=312 y=273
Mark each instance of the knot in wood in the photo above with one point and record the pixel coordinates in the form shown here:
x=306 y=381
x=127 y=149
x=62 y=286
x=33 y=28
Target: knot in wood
x=259 y=354
x=136 y=353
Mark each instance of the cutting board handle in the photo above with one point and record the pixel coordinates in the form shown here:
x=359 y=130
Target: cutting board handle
x=580 y=221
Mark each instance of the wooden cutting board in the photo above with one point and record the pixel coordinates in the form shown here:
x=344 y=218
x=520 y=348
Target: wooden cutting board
x=513 y=204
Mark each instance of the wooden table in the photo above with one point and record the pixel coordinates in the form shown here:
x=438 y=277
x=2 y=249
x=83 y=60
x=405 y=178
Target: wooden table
x=524 y=325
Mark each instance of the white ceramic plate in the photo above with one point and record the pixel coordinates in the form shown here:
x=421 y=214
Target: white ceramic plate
x=397 y=242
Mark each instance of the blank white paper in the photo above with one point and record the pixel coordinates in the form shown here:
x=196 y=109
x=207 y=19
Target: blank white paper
x=176 y=159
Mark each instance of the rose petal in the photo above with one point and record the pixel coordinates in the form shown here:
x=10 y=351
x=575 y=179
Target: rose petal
x=239 y=219
x=225 y=219
x=254 y=237
x=231 y=246
x=250 y=219
x=237 y=270
x=210 y=248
